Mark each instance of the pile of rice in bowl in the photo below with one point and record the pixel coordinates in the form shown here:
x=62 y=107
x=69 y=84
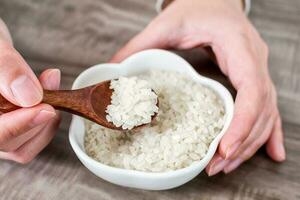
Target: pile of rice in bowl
x=190 y=116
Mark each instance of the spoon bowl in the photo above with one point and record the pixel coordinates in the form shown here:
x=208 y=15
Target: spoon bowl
x=89 y=102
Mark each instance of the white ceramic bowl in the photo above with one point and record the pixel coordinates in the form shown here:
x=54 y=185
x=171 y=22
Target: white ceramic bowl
x=139 y=63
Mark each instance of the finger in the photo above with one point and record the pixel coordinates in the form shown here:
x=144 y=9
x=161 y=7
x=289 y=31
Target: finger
x=15 y=123
x=249 y=147
x=245 y=116
x=4 y=33
x=232 y=165
x=275 y=145
x=19 y=85
x=15 y=143
x=255 y=141
x=216 y=165
x=257 y=137
x=253 y=147
x=50 y=79
x=151 y=37
x=30 y=149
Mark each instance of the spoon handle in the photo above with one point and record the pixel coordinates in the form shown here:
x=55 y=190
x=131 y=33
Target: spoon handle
x=73 y=101
x=6 y=106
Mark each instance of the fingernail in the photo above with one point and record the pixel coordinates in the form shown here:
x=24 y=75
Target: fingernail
x=281 y=152
x=232 y=165
x=25 y=91
x=216 y=168
x=53 y=79
x=232 y=149
x=42 y=117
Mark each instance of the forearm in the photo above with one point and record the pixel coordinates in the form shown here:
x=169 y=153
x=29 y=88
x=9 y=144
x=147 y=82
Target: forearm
x=4 y=33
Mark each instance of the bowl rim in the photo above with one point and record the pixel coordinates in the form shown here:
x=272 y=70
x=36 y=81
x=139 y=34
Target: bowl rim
x=217 y=87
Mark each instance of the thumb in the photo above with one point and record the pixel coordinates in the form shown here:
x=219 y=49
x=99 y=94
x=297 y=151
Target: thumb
x=151 y=37
x=19 y=85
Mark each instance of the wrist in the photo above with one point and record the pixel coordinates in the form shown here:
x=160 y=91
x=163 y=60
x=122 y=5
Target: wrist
x=4 y=34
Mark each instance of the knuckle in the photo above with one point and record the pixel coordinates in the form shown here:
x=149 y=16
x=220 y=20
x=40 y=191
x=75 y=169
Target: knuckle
x=10 y=132
x=7 y=133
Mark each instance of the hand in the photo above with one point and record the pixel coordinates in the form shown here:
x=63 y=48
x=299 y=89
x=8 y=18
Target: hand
x=241 y=54
x=26 y=131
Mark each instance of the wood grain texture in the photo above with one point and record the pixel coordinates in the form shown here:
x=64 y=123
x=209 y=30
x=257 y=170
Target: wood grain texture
x=75 y=34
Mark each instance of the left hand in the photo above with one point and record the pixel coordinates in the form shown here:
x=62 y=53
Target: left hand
x=25 y=146
x=241 y=54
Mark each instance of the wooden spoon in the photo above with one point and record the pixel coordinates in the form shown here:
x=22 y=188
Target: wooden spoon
x=89 y=102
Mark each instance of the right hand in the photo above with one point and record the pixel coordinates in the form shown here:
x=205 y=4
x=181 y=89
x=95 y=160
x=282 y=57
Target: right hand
x=242 y=56
x=26 y=131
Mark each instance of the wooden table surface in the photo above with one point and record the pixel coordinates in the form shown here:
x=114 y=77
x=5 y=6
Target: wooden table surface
x=75 y=34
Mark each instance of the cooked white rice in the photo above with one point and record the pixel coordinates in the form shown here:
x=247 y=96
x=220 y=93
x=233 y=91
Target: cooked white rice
x=133 y=103
x=190 y=116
